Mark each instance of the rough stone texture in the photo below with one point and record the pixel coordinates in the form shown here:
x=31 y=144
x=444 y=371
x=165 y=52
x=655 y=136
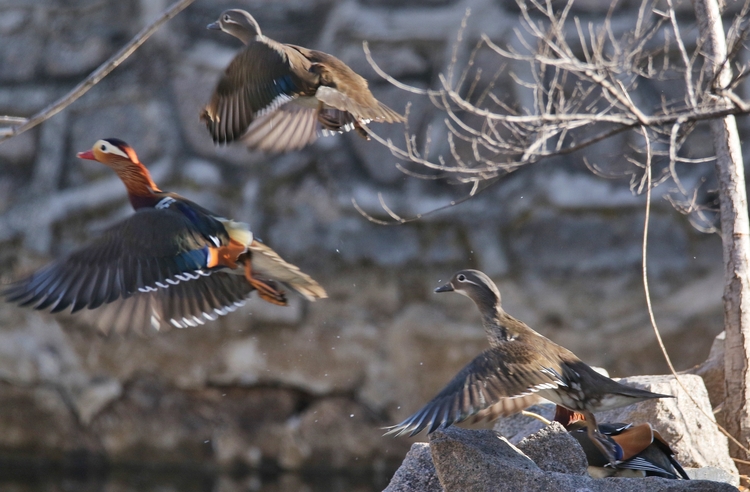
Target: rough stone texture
x=562 y=244
x=483 y=461
x=517 y=427
x=472 y=460
x=712 y=372
x=692 y=434
x=417 y=472
x=554 y=450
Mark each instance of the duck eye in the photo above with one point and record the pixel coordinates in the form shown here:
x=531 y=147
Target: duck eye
x=103 y=147
x=226 y=18
x=461 y=278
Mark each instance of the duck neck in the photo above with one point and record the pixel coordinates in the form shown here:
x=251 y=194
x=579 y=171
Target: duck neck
x=141 y=188
x=498 y=325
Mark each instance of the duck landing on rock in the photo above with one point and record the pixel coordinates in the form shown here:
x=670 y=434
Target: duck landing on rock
x=279 y=97
x=520 y=365
x=171 y=263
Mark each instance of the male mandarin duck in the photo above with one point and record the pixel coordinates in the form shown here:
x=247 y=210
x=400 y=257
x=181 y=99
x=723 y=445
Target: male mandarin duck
x=640 y=450
x=172 y=260
x=519 y=364
x=278 y=97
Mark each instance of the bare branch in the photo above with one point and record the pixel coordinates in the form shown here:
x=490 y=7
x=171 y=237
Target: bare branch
x=94 y=78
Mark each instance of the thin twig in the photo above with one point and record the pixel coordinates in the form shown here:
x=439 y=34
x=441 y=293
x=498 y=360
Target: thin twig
x=651 y=315
x=97 y=75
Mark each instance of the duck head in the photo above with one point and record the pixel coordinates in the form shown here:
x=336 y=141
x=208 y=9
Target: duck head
x=118 y=155
x=475 y=285
x=111 y=152
x=238 y=23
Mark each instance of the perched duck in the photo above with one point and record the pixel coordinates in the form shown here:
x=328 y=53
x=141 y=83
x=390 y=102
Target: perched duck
x=172 y=260
x=640 y=450
x=519 y=363
x=278 y=97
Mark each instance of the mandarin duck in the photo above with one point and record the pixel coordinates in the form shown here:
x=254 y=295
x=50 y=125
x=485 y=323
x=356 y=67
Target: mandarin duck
x=640 y=451
x=519 y=364
x=278 y=97
x=172 y=260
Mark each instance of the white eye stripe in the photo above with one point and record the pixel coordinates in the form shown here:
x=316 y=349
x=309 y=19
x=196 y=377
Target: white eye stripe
x=108 y=148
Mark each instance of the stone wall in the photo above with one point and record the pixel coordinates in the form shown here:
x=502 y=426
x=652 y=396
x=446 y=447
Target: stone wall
x=308 y=386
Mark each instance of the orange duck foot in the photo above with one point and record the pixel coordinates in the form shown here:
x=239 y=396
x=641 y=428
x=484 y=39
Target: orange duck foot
x=268 y=290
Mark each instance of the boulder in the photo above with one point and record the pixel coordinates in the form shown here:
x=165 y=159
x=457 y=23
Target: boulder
x=416 y=473
x=691 y=431
x=554 y=450
x=467 y=460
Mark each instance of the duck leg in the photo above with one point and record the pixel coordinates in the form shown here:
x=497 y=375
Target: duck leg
x=606 y=446
x=267 y=289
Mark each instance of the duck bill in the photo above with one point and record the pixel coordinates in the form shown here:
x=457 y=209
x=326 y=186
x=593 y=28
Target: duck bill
x=214 y=26
x=89 y=155
x=445 y=288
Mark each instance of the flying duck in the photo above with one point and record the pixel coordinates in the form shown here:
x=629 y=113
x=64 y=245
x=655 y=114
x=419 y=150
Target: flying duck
x=519 y=363
x=279 y=97
x=172 y=261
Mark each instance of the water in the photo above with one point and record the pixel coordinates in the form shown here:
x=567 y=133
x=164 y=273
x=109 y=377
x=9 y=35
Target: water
x=39 y=477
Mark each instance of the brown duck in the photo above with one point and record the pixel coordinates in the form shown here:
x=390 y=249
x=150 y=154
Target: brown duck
x=519 y=364
x=278 y=97
x=170 y=263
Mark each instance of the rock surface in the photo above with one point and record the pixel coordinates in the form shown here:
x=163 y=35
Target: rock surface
x=689 y=429
x=467 y=460
x=552 y=450
x=417 y=472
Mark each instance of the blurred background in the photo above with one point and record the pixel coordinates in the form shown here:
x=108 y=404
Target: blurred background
x=281 y=399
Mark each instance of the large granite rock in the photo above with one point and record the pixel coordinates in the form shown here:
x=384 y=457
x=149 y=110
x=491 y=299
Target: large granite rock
x=691 y=430
x=467 y=460
x=552 y=450
x=417 y=472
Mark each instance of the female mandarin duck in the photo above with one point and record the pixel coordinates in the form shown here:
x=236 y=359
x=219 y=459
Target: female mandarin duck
x=279 y=97
x=172 y=260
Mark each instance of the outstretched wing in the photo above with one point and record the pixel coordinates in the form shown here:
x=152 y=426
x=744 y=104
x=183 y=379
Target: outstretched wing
x=183 y=305
x=152 y=249
x=257 y=82
x=344 y=89
x=488 y=379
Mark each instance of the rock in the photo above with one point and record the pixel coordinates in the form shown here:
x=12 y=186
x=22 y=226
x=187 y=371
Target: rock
x=517 y=427
x=712 y=371
x=193 y=83
x=482 y=460
x=75 y=55
x=470 y=460
x=202 y=173
x=711 y=473
x=422 y=344
x=488 y=248
x=378 y=159
x=585 y=191
x=554 y=450
x=690 y=432
x=416 y=473
x=19 y=150
x=315 y=361
x=398 y=61
x=335 y=433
